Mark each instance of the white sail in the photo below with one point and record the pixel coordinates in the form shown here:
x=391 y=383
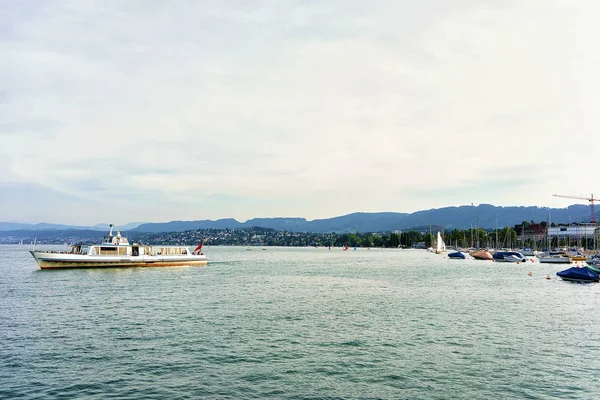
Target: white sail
x=441 y=246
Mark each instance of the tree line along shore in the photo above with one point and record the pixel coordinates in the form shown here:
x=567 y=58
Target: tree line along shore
x=526 y=234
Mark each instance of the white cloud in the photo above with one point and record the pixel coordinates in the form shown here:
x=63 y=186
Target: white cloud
x=298 y=108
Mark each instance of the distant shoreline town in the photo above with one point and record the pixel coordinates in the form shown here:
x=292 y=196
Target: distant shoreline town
x=464 y=226
x=527 y=234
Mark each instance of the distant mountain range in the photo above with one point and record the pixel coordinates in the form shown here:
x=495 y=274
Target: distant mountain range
x=484 y=216
x=14 y=226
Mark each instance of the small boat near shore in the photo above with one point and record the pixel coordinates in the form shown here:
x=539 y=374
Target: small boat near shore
x=594 y=267
x=482 y=255
x=440 y=246
x=508 y=256
x=115 y=251
x=593 y=263
x=529 y=252
x=576 y=274
x=553 y=257
x=457 y=256
x=515 y=258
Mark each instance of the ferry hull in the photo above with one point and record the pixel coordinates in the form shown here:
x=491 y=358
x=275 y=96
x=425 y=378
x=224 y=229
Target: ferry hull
x=64 y=261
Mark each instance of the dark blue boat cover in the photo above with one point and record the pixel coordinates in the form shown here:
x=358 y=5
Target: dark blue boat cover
x=579 y=274
x=499 y=255
x=458 y=254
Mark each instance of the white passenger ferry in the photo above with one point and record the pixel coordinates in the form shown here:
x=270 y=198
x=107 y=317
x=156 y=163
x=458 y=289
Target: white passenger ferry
x=115 y=251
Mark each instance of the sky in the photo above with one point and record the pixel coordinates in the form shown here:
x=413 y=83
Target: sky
x=139 y=110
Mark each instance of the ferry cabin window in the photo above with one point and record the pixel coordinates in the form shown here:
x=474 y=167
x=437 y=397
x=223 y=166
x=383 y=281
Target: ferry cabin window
x=108 y=250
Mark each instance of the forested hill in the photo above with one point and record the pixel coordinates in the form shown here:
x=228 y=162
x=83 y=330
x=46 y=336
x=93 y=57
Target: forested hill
x=485 y=216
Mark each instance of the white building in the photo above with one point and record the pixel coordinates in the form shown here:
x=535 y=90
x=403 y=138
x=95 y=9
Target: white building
x=582 y=231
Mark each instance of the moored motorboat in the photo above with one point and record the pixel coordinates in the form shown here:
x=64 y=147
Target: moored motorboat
x=457 y=255
x=576 y=274
x=529 y=252
x=553 y=257
x=508 y=256
x=578 y=257
x=514 y=258
x=482 y=255
x=115 y=251
x=594 y=263
x=594 y=267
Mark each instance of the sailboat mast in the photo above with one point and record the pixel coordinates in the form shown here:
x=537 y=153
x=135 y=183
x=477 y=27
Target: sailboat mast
x=430 y=237
x=471 y=235
x=548 y=231
x=496 y=232
x=595 y=237
x=477 y=232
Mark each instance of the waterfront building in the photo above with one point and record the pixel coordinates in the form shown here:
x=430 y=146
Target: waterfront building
x=575 y=231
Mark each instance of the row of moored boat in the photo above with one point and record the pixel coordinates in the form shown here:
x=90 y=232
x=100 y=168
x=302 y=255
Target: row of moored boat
x=577 y=273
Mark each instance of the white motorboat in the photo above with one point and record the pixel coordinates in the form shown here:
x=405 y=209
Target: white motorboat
x=514 y=258
x=529 y=252
x=508 y=256
x=552 y=257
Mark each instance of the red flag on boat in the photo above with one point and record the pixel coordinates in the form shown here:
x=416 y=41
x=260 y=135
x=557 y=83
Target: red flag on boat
x=198 y=249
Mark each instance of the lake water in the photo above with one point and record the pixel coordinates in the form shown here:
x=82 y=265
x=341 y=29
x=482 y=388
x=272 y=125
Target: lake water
x=298 y=324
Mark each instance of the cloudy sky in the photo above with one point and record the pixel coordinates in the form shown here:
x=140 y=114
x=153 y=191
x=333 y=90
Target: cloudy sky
x=121 y=111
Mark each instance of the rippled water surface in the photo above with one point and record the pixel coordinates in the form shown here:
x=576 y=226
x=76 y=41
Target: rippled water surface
x=298 y=323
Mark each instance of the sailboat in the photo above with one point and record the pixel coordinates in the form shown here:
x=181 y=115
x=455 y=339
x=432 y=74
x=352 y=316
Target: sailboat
x=440 y=246
x=549 y=256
